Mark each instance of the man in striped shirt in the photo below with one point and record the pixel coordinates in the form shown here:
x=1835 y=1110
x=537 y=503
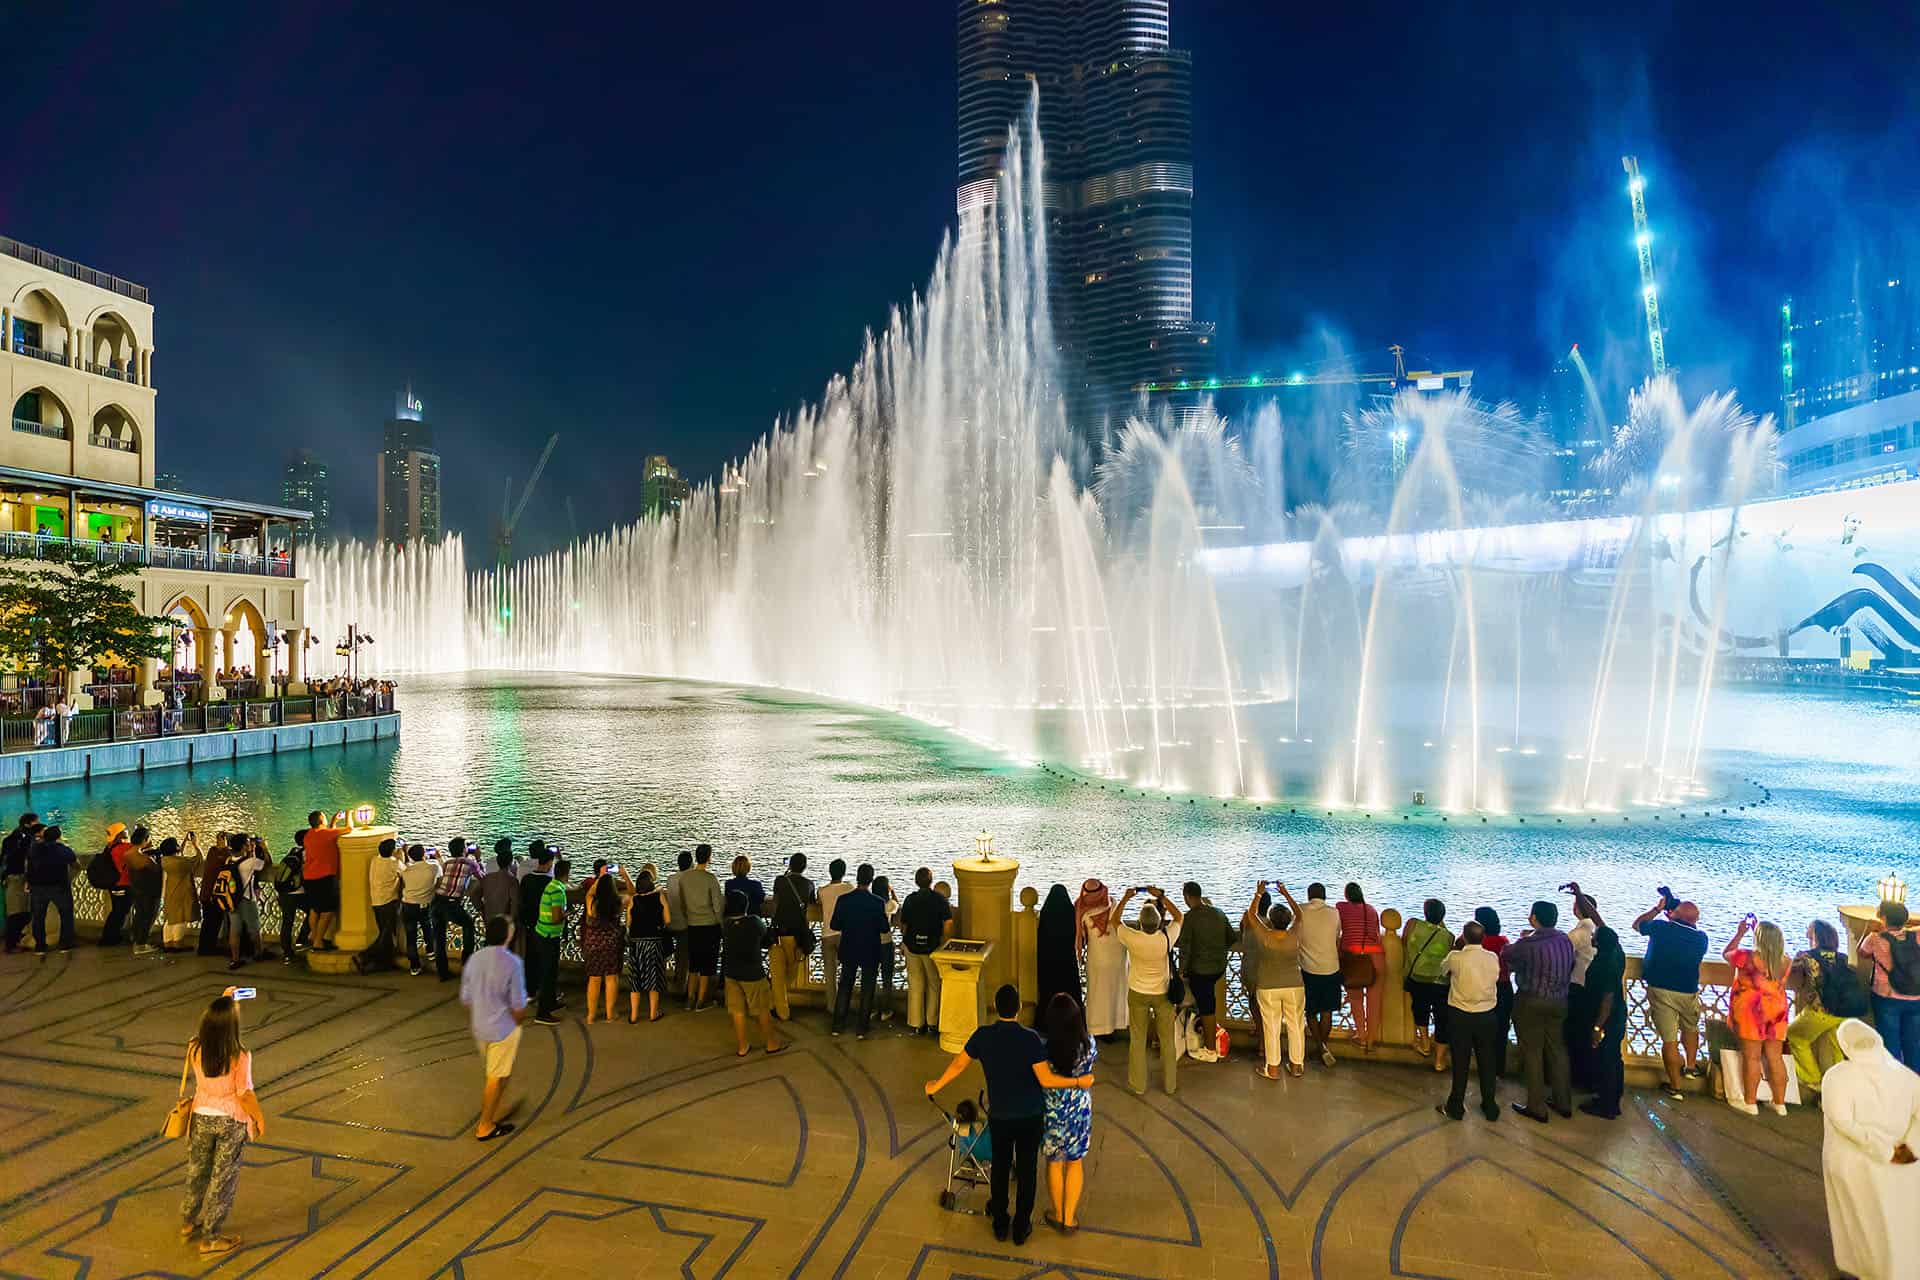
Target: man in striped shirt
x=1541 y=962
x=459 y=879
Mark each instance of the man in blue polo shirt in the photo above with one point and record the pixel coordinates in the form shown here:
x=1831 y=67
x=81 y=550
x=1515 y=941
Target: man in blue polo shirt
x=1014 y=1060
x=1675 y=946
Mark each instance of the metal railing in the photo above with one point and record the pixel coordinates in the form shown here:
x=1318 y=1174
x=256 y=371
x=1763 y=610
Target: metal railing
x=41 y=353
x=37 y=546
x=51 y=430
x=67 y=267
x=130 y=724
x=118 y=372
x=99 y=441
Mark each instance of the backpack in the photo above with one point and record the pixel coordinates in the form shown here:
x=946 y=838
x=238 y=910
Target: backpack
x=224 y=887
x=285 y=875
x=1903 y=975
x=1841 y=993
x=102 y=872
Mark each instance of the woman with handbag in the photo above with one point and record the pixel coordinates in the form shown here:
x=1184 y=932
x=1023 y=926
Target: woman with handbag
x=221 y=1117
x=1361 y=959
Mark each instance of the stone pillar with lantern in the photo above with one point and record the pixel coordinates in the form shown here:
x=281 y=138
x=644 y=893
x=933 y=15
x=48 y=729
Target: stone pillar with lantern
x=981 y=955
x=359 y=845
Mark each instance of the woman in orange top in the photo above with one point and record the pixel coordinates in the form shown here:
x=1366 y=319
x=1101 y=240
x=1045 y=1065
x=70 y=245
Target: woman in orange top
x=225 y=1116
x=1758 y=1010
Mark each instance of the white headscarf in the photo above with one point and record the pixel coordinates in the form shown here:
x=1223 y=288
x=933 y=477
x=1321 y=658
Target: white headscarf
x=1871 y=1105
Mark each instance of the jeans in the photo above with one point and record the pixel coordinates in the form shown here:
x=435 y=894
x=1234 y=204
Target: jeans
x=1898 y=1022
x=414 y=923
x=923 y=991
x=1503 y=1019
x=381 y=954
x=119 y=902
x=1016 y=1151
x=1145 y=1012
x=450 y=911
x=1541 y=1025
x=1473 y=1036
x=1579 y=1033
x=543 y=971
x=146 y=908
x=214 y=1146
x=289 y=904
x=58 y=896
x=865 y=975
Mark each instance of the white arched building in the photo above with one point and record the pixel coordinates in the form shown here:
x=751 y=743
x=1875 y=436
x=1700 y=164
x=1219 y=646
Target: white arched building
x=77 y=467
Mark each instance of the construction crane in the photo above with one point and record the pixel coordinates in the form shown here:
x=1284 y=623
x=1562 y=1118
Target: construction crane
x=1643 y=242
x=510 y=513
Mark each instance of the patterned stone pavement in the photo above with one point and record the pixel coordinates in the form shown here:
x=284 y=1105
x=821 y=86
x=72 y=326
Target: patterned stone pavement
x=652 y=1150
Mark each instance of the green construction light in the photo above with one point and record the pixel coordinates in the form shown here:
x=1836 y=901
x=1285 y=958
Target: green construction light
x=1787 y=369
x=1254 y=381
x=1297 y=379
x=1643 y=239
x=1183 y=384
x=1213 y=382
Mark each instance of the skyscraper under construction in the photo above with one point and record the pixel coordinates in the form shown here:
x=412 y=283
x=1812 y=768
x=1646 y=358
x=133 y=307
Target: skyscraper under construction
x=1116 y=123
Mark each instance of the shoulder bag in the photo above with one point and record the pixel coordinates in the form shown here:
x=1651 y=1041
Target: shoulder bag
x=181 y=1112
x=1176 y=988
x=803 y=938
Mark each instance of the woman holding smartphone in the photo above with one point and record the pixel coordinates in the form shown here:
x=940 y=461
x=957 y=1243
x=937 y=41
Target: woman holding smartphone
x=1758 y=1010
x=226 y=1114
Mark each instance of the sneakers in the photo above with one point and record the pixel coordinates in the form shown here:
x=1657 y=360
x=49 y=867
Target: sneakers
x=416 y=971
x=547 y=1020
x=1779 y=1108
x=1673 y=1094
x=1693 y=1073
x=1744 y=1108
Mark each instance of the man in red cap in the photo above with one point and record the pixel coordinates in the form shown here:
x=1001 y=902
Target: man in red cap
x=1675 y=946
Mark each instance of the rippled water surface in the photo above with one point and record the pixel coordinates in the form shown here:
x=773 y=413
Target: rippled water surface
x=641 y=768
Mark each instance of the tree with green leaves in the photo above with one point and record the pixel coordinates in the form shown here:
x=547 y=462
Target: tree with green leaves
x=63 y=609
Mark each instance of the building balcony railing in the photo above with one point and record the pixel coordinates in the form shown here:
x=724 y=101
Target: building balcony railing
x=112 y=442
x=110 y=371
x=40 y=353
x=39 y=546
x=51 y=430
x=66 y=267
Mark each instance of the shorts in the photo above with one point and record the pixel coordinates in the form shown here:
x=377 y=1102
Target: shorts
x=749 y=999
x=703 y=949
x=248 y=913
x=323 y=895
x=1204 y=988
x=500 y=1054
x=1324 y=992
x=1673 y=1012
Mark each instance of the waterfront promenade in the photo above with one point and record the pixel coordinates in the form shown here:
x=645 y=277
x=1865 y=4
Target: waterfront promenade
x=651 y=1150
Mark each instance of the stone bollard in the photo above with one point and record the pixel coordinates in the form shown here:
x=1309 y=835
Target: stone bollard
x=986 y=911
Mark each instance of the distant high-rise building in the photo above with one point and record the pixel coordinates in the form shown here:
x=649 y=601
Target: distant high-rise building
x=305 y=486
x=1116 y=124
x=168 y=480
x=662 y=491
x=409 y=476
x=1851 y=345
x=1577 y=431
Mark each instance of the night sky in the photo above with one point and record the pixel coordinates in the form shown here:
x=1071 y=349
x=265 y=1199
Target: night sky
x=654 y=228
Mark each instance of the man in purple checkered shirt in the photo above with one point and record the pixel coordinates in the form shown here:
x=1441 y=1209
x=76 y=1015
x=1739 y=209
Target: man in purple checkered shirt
x=459 y=880
x=1541 y=962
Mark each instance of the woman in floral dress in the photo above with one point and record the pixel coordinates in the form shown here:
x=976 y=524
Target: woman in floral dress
x=1758 y=1011
x=1069 y=1121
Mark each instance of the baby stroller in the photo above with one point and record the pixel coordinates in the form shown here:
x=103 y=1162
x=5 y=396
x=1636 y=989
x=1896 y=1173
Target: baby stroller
x=969 y=1151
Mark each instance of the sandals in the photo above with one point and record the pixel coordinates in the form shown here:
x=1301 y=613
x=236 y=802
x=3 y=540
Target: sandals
x=500 y=1129
x=214 y=1245
x=784 y=1046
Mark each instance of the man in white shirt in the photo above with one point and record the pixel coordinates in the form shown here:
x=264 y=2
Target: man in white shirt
x=830 y=894
x=1318 y=928
x=1580 y=1003
x=1149 y=945
x=383 y=894
x=417 y=879
x=1473 y=1026
x=247 y=865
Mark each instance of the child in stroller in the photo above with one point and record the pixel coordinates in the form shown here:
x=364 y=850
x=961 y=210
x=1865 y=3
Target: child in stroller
x=969 y=1151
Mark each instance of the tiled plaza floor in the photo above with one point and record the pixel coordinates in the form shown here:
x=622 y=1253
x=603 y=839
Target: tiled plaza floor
x=652 y=1150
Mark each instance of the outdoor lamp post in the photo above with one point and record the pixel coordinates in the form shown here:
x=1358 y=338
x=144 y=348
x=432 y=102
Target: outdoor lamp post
x=1893 y=889
x=983 y=847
